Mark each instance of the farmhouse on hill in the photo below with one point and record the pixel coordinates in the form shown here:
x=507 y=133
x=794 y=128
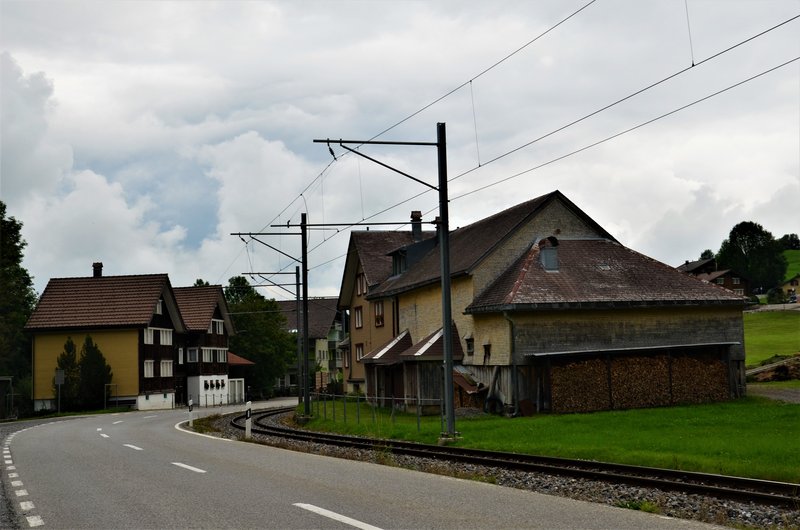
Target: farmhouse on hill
x=550 y=313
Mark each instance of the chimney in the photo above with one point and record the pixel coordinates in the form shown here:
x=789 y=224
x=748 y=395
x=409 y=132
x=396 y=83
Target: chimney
x=97 y=269
x=416 y=225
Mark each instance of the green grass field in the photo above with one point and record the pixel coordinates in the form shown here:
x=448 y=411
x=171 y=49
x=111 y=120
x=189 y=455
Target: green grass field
x=793 y=259
x=770 y=333
x=753 y=437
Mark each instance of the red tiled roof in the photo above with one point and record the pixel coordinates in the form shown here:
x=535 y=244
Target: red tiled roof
x=197 y=305
x=106 y=301
x=235 y=360
x=595 y=272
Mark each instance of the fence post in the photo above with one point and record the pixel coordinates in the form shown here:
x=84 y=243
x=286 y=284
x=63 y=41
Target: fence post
x=358 y=410
x=419 y=413
x=345 y=409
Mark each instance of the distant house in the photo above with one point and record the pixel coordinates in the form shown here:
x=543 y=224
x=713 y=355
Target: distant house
x=203 y=353
x=134 y=320
x=706 y=270
x=790 y=286
x=551 y=313
x=324 y=335
x=164 y=345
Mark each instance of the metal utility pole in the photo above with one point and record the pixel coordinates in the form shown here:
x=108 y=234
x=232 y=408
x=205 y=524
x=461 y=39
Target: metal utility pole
x=444 y=252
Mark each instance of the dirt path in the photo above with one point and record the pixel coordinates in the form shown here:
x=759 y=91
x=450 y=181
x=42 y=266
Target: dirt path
x=791 y=395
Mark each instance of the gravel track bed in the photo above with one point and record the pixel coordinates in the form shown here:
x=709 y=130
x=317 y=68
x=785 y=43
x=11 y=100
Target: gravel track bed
x=672 y=504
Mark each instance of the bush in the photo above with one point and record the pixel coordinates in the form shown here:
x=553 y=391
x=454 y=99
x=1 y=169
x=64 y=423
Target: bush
x=776 y=296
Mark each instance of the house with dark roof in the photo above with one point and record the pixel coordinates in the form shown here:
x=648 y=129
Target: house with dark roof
x=202 y=367
x=325 y=332
x=165 y=345
x=135 y=322
x=706 y=270
x=373 y=321
x=552 y=313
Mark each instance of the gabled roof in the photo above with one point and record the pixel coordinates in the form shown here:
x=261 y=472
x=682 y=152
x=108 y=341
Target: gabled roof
x=321 y=316
x=471 y=244
x=197 y=306
x=370 y=249
x=103 y=302
x=235 y=360
x=431 y=348
x=692 y=266
x=711 y=276
x=595 y=273
x=390 y=352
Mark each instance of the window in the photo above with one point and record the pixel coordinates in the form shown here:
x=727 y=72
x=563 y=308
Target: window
x=720 y=281
x=148 y=336
x=166 y=368
x=160 y=307
x=180 y=355
x=359 y=351
x=358 y=317
x=739 y=291
x=222 y=356
x=470 y=346
x=148 y=369
x=208 y=355
x=379 y=313
x=346 y=359
x=361 y=284
x=217 y=327
x=166 y=337
x=736 y=281
x=191 y=355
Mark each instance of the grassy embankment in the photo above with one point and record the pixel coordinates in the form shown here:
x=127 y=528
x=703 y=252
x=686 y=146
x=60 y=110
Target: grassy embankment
x=753 y=437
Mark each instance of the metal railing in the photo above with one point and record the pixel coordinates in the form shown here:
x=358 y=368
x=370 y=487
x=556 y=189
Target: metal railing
x=335 y=407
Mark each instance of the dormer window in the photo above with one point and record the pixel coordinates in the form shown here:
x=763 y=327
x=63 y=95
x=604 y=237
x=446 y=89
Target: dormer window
x=361 y=284
x=217 y=327
x=160 y=307
x=399 y=262
x=548 y=254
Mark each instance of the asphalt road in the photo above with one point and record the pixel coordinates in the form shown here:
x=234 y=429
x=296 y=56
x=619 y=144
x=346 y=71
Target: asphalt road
x=137 y=470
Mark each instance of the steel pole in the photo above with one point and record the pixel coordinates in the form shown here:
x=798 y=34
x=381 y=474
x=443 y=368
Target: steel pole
x=444 y=253
x=297 y=321
x=304 y=237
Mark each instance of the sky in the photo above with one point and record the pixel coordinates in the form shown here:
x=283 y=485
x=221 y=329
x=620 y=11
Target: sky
x=143 y=134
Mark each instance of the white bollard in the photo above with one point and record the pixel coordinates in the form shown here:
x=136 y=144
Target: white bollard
x=191 y=414
x=248 y=423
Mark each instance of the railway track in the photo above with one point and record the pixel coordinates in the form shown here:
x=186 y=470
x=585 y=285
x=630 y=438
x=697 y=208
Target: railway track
x=720 y=486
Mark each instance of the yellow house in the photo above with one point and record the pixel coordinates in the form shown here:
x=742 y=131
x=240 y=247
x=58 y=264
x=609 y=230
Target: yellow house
x=135 y=322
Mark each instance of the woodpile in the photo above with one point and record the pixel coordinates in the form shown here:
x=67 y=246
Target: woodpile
x=699 y=379
x=640 y=382
x=580 y=386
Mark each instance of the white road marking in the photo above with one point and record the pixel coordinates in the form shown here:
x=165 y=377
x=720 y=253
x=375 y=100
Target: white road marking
x=13 y=475
x=178 y=428
x=34 y=521
x=99 y=429
x=149 y=417
x=16 y=484
x=335 y=516
x=104 y=435
x=21 y=493
x=26 y=506
x=118 y=421
x=133 y=447
x=9 y=462
x=190 y=468
x=11 y=468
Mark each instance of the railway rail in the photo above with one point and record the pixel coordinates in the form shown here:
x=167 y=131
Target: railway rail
x=720 y=486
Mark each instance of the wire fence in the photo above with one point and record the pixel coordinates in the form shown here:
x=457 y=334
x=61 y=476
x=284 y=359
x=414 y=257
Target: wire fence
x=351 y=408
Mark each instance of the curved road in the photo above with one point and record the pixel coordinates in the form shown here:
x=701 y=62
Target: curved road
x=138 y=470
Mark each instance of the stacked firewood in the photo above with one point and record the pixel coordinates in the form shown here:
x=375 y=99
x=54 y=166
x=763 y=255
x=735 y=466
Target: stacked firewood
x=699 y=379
x=640 y=382
x=580 y=386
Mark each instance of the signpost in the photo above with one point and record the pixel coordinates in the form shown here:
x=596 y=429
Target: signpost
x=249 y=422
x=191 y=416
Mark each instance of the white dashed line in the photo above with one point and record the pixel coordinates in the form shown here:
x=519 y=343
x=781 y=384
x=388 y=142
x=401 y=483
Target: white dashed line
x=133 y=447
x=9 y=462
x=26 y=506
x=13 y=475
x=99 y=429
x=21 y=493
x=34 y=521
x=104 y=435
x=335 y=516
x=16 y=484
x=118 y=421
x=149 y=417
x=190 y=468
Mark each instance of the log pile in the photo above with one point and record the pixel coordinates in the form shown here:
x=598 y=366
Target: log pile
x=640 y=382
x=699 y=379
x=580 y=386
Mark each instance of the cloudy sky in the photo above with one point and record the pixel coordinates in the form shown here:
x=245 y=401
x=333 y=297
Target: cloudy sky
x=141 y=134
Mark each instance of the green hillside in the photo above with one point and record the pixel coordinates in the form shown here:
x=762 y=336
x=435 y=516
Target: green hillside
x=793 y=259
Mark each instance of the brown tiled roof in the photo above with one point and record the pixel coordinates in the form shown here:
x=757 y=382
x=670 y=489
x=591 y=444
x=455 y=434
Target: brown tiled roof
x=691 y=266
x=107 y=301
x=470 y=244
x=389 y=353
x=197 y=305
x=321 y=315
x=593 y=273
x=373 y=249
x=712 y=276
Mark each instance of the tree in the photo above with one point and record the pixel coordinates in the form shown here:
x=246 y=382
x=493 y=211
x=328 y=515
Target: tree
x=95 y=374
x=17 y=300
x=790 y=242
x=260 y=334
x=70 y=389
x=200 y=282
x=754 y=253
x=707 y=254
